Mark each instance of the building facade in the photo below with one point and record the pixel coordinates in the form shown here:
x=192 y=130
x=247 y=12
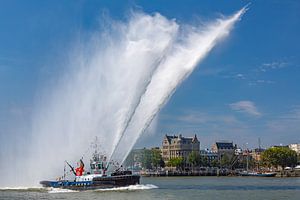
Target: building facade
x=224 y=148
x=179 y=146
x=295 y=147
x=256 y=154
x=209 y=155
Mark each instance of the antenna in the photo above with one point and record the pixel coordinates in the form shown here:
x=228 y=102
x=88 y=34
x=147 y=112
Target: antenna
x=259 y=144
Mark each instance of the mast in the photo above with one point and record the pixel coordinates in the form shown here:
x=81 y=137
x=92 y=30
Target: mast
x=247 y=161
x=259 y=153
x=64 y=171
x=247 y=165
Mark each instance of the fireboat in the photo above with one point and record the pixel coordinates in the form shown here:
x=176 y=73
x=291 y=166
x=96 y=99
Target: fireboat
x=98 y=178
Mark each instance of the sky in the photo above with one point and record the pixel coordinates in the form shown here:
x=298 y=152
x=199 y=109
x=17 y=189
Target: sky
x=246 y=88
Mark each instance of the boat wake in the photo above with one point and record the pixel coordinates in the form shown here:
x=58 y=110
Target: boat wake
x=22 y=188
x=127 y=188
x=60 y=190
x=130 y=187
x=36 y=189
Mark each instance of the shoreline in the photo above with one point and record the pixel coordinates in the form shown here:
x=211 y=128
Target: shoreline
x=281 y=174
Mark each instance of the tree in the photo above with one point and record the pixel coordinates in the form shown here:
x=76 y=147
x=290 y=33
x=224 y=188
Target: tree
x=225 y=161
x=194 y=159
x=279 y=156
x=214 y=163
x=146 y=159
x=156 y=158
x=176 y=162
x=204 y=161
x=129 y=160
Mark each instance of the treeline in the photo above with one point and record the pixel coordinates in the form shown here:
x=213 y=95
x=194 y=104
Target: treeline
x=272 y=157
x=147 y=158
x=279 y=157
x=194 y=159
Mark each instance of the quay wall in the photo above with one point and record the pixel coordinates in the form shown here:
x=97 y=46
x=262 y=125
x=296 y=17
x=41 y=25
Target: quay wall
x=295 y=173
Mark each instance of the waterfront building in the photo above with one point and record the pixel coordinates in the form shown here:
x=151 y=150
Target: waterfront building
x=209 y=155
x=238 y=151
x=295 y=147
x=256 y=154
x=174 y=146
x=223 y=147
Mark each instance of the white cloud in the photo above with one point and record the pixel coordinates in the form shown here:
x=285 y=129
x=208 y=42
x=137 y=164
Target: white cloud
x=246 y=107
x=196 y=118
x=260 y=82
x=285 y=128
x=204 y=118
x=287 y=121
x=265 y=81
x=240 y=76
x=273 y=66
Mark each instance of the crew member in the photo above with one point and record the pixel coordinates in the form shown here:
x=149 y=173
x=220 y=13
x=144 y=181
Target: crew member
x=79 y=170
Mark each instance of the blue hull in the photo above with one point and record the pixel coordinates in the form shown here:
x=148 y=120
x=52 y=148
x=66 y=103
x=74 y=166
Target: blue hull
x=258 y=174
x=96 y=183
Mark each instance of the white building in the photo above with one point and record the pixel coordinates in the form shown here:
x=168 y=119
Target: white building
x=238 y=151
x=295 y=147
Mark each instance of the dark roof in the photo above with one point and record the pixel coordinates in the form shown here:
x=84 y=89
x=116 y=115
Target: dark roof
x=224 y=145
x=171 y=137
x=280 y=146
x=187 y=139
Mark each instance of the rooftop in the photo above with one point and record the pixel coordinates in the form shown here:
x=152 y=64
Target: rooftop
x=170 y=138
x=224 y=145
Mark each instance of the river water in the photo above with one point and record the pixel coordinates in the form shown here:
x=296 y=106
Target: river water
x=186 y=188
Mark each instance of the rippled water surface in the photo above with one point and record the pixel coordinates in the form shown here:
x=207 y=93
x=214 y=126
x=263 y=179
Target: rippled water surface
x=186 y=188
